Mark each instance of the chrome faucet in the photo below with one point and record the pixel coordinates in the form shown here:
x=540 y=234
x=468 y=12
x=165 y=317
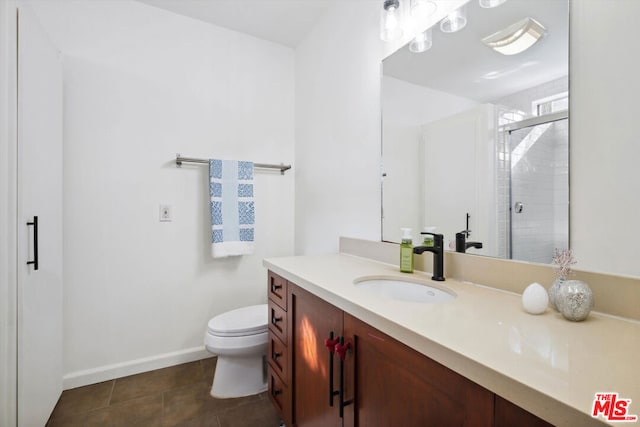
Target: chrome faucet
x=438 y=255
x=461 y=242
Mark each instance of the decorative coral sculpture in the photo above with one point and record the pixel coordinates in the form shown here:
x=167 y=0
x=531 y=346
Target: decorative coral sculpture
x=563 y=259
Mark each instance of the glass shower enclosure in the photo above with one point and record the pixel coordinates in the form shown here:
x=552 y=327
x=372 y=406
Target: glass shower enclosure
x=537 y=159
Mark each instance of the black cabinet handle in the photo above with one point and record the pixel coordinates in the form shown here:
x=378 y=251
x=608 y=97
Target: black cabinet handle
x=35 y=243
x=342 y=349
x=275 y=320
x=331 y=343
x=274 y=287
x=275 y=355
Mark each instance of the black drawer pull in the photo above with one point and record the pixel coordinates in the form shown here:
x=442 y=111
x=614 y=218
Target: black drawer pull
x=35 y=243
x=275 y=320
x=275 y=355
x=274 y=287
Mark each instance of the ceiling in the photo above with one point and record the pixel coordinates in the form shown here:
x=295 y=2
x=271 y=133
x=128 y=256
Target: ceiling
x=285 y=22
x=455 y=64
x=459 y=64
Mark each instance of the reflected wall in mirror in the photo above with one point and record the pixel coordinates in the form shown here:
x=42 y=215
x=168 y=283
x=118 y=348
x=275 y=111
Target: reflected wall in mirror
x=476 y=142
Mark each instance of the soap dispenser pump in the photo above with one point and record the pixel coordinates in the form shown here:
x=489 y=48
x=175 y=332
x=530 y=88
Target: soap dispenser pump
x=406 y=251
x=428 y=238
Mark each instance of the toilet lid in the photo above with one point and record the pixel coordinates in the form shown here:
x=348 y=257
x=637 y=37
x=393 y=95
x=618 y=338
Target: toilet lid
x=239 y=322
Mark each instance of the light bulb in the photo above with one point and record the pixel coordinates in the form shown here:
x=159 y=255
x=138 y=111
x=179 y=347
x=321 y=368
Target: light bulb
x=390 y=28
x=455 y=21
x=422 y=42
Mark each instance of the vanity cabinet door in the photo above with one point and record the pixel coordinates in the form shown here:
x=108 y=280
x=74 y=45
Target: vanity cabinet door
x=507 y=414
x=393 y=385
x=312 y=321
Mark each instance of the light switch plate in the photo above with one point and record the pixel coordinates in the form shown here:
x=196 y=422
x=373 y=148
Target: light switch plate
x=165 y=213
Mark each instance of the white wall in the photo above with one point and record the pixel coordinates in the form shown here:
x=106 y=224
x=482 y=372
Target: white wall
x=141 y=85
x=407 y=107
x=604 y=134
x=338 y=129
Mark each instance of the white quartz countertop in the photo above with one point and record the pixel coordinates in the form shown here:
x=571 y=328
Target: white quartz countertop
x=543 y=363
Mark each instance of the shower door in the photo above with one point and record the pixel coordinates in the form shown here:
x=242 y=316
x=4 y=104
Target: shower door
x=539 y=201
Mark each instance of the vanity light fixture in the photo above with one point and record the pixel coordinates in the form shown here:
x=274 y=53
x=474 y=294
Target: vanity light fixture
x=455 y=21
x=487 y=4
x=390 y=21
x=516 y=37
x=421 y=9
x=422 y=42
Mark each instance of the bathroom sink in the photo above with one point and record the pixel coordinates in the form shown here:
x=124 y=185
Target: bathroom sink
x=413 y=290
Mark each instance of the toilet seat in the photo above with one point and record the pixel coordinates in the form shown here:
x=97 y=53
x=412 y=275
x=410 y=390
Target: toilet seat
x=240 y=322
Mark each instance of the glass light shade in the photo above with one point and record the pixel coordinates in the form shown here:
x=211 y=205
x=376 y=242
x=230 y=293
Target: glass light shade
x=390 y=21
x=421 y=9
x=516 y=37
x=422 y=42
x=455 y=21
x=487 y=4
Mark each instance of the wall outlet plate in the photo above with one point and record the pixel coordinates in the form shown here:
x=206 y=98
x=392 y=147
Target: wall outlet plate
x=165 y=213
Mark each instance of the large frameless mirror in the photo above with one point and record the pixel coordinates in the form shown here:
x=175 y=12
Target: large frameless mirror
x=475 y=132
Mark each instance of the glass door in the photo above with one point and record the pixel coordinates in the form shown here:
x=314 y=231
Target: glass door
x=539 y=183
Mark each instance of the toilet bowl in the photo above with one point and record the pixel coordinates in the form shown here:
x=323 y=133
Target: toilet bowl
x=239 y=338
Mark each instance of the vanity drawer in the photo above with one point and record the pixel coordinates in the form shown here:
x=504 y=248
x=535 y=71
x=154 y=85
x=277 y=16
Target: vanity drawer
x=277 y=290
x=279 y=394
x=278 y=321
x=277 y=355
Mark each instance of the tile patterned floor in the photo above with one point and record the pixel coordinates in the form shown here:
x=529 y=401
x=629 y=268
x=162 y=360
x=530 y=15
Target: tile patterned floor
x=175 y=396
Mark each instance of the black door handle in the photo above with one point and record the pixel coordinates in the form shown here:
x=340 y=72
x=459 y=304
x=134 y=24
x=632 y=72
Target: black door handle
x=35 y=243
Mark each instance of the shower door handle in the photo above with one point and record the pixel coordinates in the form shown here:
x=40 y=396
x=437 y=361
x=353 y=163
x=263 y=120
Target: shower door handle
x=518 y=207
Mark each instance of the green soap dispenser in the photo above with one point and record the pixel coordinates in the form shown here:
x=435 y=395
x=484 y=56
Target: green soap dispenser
x=406 y=251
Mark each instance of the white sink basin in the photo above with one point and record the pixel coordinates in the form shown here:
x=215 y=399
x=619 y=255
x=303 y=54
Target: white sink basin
x=413 y=290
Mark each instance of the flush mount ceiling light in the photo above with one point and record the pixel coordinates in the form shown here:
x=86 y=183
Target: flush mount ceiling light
x=487 y=4
x=455 y=21
x=516 y=37
x=390 y=21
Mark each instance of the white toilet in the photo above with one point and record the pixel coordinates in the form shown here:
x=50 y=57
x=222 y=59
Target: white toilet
x=239 y=338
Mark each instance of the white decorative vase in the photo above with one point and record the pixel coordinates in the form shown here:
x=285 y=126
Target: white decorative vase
x=553 y=292
x=574 y=300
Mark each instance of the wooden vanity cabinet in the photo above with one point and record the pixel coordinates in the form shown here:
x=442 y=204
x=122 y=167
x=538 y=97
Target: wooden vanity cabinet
x=385 y=383
x=508 y=414
x=278 y=353
x=313 y=320
x=396 y=385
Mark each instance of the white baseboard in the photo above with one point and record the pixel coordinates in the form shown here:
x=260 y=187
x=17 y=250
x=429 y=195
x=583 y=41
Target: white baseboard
x=118 y=370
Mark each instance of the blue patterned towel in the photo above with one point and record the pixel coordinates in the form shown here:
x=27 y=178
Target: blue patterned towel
x=232 y=207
